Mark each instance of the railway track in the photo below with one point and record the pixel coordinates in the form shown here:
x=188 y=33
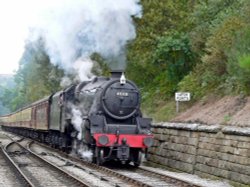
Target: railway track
x=36 y=171
x=15 y=176
x=152 y=178
x=103 y=176
x=130 y=176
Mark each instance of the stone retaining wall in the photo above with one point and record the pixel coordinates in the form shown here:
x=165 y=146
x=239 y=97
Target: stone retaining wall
x=208 y=151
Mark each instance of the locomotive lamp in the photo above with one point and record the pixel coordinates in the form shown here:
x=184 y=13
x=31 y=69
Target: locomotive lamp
x=123 y=79
x=103 y=140
x=148 y=141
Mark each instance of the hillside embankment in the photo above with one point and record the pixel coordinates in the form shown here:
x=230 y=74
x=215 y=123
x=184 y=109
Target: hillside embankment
x=229 y=110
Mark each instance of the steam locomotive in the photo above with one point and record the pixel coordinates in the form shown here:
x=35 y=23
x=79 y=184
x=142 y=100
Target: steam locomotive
x=99 y=119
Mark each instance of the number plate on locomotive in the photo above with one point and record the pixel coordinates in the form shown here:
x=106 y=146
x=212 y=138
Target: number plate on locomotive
x=125 y=94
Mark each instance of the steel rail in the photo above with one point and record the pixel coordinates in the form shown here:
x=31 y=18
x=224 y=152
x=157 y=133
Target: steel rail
x=74 y=179
x=21 y=176
x=81 y=163
x=176 y=180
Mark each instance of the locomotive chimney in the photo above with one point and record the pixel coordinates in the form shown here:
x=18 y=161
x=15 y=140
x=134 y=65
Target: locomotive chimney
x=116 y=74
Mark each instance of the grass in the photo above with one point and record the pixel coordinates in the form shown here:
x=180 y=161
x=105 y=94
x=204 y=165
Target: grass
x=161 y=110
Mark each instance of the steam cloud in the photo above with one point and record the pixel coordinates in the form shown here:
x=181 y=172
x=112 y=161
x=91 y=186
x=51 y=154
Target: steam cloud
x=73 y=30
x=77 y=121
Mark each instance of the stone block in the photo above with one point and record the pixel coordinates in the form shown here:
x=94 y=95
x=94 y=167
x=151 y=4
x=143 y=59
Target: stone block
x=176 y=132
x=209 y=128
x=208 y=146
x=245 y=145
x=156 y=143
x=166 y=131
x=225 y=165
x=242 y=152
x=224 y=156
x=183 y=140
x=218 y=135
x=245 y=179
x=238 y=138
x=152 y=150
x=160 y=137
x=182 y=166
x=194 y=134
x=212 y=170
x=225 y=149
x=225 y=142
x=156 y=159
x=242 y=131
x=183 y=133
x=243 y=169
x=207 y=161
x=187 y=158
x=180 y=148
x=157 y=130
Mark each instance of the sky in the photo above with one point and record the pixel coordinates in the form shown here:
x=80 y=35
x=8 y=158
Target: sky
x=15 y=19
x=11 y=38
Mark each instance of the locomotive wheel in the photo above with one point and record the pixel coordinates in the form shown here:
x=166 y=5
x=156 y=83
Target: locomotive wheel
x=99 y=156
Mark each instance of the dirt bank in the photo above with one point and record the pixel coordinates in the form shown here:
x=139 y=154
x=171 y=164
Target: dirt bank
x=228 y=110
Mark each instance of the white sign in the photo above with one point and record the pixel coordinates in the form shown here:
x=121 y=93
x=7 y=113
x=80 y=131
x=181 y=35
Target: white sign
x=182 y=96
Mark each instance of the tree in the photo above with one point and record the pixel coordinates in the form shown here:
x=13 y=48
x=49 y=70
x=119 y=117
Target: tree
x=159 y=19
x=36 y=76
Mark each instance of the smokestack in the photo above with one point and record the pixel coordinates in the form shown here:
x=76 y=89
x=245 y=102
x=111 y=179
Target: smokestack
x=116 y=74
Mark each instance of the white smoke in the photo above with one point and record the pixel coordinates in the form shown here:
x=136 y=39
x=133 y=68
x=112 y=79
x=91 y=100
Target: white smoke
x=86 y=154
x=73 y=30
x=77 y=121
x=65 y=82
x=83 y=67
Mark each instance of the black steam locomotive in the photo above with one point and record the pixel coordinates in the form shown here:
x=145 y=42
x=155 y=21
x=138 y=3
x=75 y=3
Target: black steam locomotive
x=99 y=119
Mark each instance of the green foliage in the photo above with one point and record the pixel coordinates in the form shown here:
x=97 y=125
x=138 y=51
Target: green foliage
x=244 y=62
x=100 y=66
x=8 y=98
x=36 y=76
x=222 y=20
x=238 y=64
x=163 y=112
x=226 y=119
x=196 y=46
x=174 y=59
x=191 y=83
x=159 y=18
x=7 y=93
x=161 y=56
